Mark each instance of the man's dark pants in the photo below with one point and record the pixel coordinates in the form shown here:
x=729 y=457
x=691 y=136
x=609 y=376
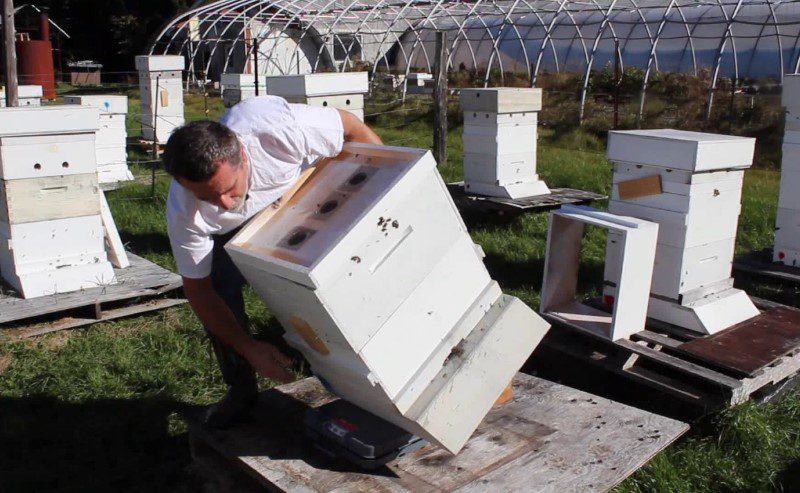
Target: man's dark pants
x=228 y=283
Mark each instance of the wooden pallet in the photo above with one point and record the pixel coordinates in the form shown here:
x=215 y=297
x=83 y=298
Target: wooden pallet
x=141 y=288
x=557 y=197
x=548 y=438
x=760 y=263
x=660 y=358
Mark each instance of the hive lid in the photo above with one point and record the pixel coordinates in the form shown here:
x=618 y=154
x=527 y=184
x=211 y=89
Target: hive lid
x=48 y=120
x=681 y=149
x=106 y=103
x=502 y=99
x=323 y=84
x=159 y=63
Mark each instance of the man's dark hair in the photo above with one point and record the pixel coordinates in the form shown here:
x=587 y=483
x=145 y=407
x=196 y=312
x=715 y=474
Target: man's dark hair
x=194 y=150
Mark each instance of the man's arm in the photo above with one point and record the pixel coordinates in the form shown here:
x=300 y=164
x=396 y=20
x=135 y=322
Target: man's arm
x=357 y=131
x=221 y=322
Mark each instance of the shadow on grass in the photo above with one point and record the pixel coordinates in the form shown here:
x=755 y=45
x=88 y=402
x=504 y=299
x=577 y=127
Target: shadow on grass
x=530 y=274
x=144 y=243
x=789 y=479
x=101 y=445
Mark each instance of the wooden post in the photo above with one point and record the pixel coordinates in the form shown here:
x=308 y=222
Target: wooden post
x=10 y=53
x=440 y=99
x=617 y=83
x=155 y=138
x=255 y=62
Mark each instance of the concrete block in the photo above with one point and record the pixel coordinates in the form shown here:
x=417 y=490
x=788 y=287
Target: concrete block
x=501 y=99
x=160 y=63
x=377 y=282
x=680 y=149
x=320 y=84
x=632 y=243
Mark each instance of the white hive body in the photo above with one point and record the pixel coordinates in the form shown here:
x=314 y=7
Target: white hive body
x=631 y=248
x=689 y=183
x=500 y=133
x=111 y=137
x=51 y=233
x=376 y=280
x=238 y=87
x=161 y=89
x=27 y=96
x=344 y=91
x=787 y=226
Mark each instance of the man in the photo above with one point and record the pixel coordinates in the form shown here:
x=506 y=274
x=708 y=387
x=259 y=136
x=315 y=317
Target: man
x=223 y=174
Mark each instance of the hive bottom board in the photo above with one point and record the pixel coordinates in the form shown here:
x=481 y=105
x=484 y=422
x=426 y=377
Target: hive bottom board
x=548 y=438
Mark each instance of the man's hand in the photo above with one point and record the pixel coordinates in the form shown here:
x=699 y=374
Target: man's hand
x=268 y=362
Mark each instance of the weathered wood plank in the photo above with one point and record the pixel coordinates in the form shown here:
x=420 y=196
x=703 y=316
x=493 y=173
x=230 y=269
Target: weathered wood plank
x=549 y=438
x=142 y=278
x=45 y=199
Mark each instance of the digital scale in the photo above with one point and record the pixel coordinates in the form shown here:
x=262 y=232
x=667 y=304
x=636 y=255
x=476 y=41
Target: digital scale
x=342 y=430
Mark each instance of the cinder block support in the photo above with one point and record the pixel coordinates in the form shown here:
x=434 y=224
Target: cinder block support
x=632 y=244
x=500 y=133
x=691 y=184
x=787 y=227
x=51 y=231
x=161 y=88
x=373 y=274
x=344 y=91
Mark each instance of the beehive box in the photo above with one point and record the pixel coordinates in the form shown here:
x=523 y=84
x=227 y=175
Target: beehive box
x=344 y=91
x=787 y=232
x=161 y=89
x=690 y=183
x=51 y=236
x=238 y=87
x=376 y=280
x=26 y=95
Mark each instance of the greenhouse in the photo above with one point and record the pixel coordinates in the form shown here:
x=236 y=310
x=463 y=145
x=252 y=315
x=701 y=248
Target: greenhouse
x=737 y=39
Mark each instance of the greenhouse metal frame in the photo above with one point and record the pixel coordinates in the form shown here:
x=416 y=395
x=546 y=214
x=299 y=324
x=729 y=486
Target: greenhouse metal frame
x=732 y=38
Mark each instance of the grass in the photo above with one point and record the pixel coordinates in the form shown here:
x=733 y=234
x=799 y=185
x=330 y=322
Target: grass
x=97 y=409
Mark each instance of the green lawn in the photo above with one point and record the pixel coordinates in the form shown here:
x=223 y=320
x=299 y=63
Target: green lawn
x=97 y=409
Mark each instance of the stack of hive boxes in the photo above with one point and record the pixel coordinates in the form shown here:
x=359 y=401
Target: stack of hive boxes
x=419 y=83
x=691 y=185
x=111 y=137
x=238 y=87
x=161 y=88
x=374 y=276
x=344 y=90
x=27 y=95
x=51 y=231
x=500 y=142
x=787 y=233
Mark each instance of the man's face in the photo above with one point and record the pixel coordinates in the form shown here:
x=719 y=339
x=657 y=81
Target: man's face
x=227 y=188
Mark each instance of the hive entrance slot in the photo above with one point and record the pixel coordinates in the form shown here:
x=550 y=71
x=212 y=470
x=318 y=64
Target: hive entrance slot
x=357 y=179
x=328 y=207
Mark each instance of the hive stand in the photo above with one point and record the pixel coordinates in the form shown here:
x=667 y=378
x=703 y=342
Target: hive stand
x=691 y=184
x=161 y=88
x=373 y=275
x=549 y=438
x=111 y=137
x=344 y=90
x=633 y=243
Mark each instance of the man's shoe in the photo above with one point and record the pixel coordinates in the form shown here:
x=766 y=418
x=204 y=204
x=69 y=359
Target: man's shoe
x=234 y=408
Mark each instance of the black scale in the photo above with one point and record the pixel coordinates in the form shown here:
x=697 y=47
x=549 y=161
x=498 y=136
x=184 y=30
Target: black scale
x=342 y=430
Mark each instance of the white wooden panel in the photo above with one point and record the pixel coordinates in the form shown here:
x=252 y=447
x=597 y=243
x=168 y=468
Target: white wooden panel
x=341 y=101
x=786 y=254
x=36 y=241
x=113 y=173
x=677 y=270
x=158 y=63
x=507 y=168
x=790 y=94
x=677 y=230
x=508 y=190
x=691 y=199
x=628 y=171
x=487 y=119
x=50 y=155
x=690 y=151
x=319 y=84
x=494 y=142
x=62 y=280
x=238 y=81
x=789 y=197
x=63 y=119
x=106 y=103
x=791 y=157
x=45 y=199
x=107 y=155
x=501 y=99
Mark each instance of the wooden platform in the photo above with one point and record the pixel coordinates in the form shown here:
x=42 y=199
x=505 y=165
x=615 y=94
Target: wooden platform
x=558 y=197
x=141 y=288
x=745 y=361
x=760 y=263
x=549 y=438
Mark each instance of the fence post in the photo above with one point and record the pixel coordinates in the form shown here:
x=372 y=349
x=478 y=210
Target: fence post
x=440 y=99
x=9 y=48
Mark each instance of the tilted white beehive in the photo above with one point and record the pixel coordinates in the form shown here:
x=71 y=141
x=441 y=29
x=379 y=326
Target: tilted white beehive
x=787 y=227
x=689 y=183
x=51 y=232
x=500 y=141
x=344 y=90
x=111 y=137
x=161 y=88
x=373 y=275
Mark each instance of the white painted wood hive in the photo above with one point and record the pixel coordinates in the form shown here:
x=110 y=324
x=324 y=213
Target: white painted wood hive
x=51 y=235
x=372 y=272
x=787 y=225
